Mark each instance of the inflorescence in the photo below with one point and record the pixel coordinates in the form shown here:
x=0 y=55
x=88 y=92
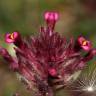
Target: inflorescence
x=47 y=62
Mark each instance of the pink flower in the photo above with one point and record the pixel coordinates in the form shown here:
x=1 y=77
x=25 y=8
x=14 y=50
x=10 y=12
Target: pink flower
x=85 y=44
x=47 y=61
x=10 y=38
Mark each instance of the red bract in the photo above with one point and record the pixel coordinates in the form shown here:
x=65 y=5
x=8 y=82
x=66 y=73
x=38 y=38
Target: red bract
x=47 y=62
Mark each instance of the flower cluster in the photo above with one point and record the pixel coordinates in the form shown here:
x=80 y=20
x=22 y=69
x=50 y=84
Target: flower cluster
x=48 y=61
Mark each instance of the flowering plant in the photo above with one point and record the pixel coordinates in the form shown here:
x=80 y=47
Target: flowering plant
x=47 y=62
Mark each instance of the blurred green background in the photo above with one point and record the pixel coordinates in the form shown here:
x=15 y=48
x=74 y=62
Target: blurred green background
x=26 y=16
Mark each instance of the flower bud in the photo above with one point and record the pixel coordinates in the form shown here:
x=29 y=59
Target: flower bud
x=52 y=72
x=51 y=18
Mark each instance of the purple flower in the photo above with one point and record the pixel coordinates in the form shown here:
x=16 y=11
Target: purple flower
x=47 y=62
